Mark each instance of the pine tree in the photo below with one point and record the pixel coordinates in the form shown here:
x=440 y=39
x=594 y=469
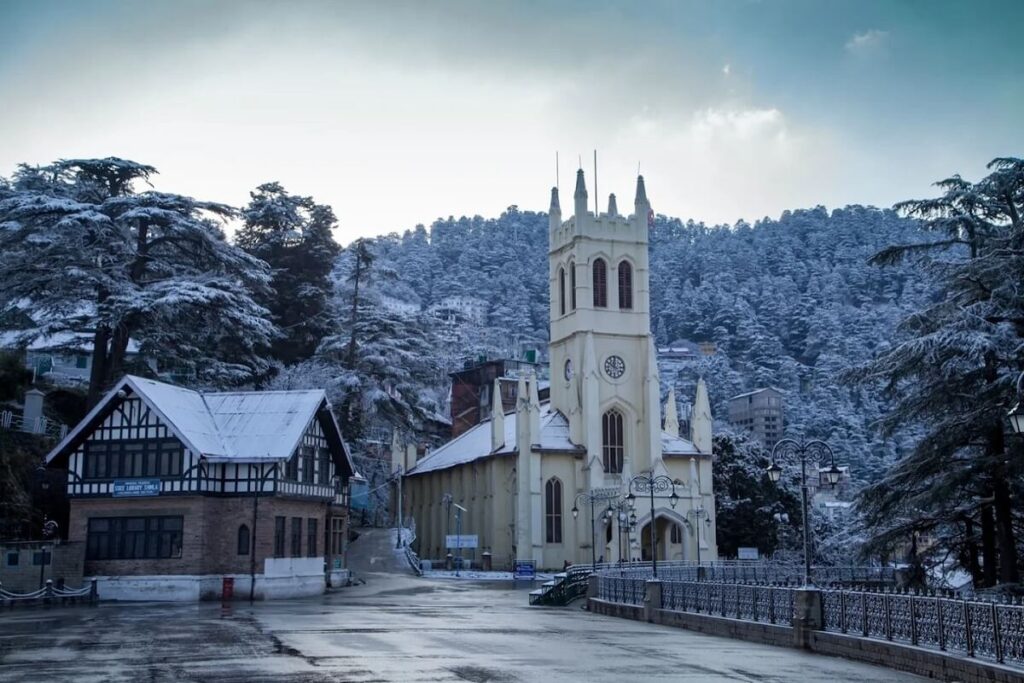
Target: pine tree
x=89 y=255
x=954 y=373
x=293 y=235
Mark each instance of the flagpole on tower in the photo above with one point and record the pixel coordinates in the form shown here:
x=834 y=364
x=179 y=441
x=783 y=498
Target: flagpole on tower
x=597 y=209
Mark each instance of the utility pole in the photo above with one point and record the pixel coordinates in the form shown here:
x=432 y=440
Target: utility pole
x=458 y=534
x=398 y=512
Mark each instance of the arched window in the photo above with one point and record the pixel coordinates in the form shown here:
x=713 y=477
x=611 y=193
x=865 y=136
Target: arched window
x=561 y=291
x=243 y=540
x=613 y=441
x=625 y=285
x=553 y=511
x=572 y=285
x=676 y=534
x=600 y=284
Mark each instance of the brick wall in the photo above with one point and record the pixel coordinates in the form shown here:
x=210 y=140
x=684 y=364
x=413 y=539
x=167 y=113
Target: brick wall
x=209 y=531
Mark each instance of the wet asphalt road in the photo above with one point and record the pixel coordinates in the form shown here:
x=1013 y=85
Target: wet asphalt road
x=393 y=628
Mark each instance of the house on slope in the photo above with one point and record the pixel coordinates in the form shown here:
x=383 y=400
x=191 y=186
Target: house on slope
x=184 y=495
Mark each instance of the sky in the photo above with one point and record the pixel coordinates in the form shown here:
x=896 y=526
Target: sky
x=397 y=113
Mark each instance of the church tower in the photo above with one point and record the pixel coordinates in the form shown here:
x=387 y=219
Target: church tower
x=604 y=375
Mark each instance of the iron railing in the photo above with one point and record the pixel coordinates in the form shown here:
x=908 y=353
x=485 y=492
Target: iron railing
x=749 y=602
x=763 y=573
x=39 y=425
x=987 y=630
x=626 y=591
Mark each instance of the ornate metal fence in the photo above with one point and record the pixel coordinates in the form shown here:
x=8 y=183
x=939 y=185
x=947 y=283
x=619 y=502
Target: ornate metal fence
x=626 y=591
x=763 y=573
x=764 y=604
x=987 y=630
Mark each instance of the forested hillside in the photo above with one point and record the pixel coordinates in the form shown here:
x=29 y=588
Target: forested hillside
x=789 y=302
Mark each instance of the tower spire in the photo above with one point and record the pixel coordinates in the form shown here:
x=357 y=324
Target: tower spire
x=554 y=201
x=580 y=196
x=641 y=192
x=613 y=208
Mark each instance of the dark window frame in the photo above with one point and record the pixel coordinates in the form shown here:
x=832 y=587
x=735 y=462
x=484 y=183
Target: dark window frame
x=553 y=510
x=244 y=539
x=600 y=272
x=572 y=285
x=625 y=285
x=312 y=532
x=561 y=290
x=279 y=529
x=613 y=441
x=109 y=459
x=154 y=537
x=296 y=538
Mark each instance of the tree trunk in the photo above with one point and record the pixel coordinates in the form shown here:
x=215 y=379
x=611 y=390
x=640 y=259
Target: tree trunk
x=98 y=372
x=971 y=549
x=1008 y=571
x=988 y=547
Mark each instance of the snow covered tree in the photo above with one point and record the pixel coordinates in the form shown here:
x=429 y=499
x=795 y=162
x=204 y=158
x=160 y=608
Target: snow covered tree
x=953 y=372
x=293 y=235
x=89 y=255
x=749 y=508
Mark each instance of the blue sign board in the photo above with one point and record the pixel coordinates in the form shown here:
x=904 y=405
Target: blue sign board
x=132 y=488
x=524 y=570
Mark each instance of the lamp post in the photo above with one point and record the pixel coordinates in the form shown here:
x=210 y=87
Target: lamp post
x=698 y=513
x=649 y=483
x=252 y=537
x=1016 y=415
x=801 y=450
x=591 y=498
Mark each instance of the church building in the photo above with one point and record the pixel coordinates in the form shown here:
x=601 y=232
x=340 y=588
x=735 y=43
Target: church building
x=527 y=477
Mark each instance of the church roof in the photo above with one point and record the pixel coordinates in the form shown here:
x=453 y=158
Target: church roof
x=475 y=443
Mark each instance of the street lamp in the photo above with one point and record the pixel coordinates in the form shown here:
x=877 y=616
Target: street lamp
x=649 y=483
x=801 y=450
x=699 y=513
x=1016 y=414
x=591 y=498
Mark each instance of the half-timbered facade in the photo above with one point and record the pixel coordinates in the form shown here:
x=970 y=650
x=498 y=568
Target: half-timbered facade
x=184 y=495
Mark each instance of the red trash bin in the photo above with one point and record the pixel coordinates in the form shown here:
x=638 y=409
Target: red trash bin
x=227 y=590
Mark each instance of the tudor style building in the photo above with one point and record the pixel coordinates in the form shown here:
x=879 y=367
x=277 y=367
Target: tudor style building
x=518 y=474
x=177 y=494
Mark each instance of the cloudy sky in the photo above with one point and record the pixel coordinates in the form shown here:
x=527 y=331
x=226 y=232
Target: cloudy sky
x=396 y=113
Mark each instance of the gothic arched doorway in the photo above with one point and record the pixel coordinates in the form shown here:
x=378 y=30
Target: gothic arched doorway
x=661 y=531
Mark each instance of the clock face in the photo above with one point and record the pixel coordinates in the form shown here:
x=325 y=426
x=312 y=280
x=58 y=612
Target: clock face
x=568 y=368
x=614 y=367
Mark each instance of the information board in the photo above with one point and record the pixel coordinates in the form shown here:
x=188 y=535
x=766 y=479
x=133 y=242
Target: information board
x=132 y=488
x=746 y=553
x=524 y=570
x=453 y=541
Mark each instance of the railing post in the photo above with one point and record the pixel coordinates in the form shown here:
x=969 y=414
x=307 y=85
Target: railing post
x=888 y=616
x=913 y=619
x=93 y=593
x=940 y=623
x=995 y=634
x=771 y=605
x=842 y=611
x=755 y=595
x=864 y=613
x=48 y=591
x=969 y=637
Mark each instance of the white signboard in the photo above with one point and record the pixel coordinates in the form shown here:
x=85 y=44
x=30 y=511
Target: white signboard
x=747 y=553
x=463 y=541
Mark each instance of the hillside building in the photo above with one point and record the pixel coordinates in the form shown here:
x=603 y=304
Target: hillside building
x=519 y=471
x=760 y=412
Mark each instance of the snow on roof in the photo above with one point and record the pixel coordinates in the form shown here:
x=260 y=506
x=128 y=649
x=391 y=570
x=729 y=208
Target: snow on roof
x=247 y=426
x=475 y=443
x=676 y=445
x=758 y=391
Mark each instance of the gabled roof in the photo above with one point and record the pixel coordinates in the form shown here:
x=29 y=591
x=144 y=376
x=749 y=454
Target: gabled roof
x=247 y=426
x=475 y=443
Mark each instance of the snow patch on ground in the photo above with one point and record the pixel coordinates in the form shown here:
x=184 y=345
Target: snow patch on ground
x=475 y=575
